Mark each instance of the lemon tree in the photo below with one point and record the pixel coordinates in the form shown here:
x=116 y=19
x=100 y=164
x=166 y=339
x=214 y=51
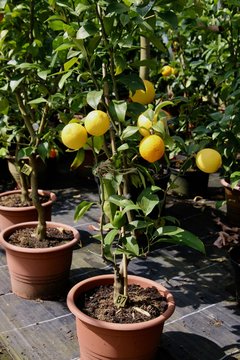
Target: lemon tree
x=151 y=148
x=97 y=122
x=144 y=96
x=74 y=136
x=208 y=160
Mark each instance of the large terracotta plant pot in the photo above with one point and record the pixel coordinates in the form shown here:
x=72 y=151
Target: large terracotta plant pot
x=15 y=215
x=103 y=340
x=38 y=273
x=234 y=255
x=232 y=197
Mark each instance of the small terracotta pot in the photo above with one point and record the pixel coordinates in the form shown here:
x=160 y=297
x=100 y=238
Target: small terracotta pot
x=232 y=197
x=38 y=273
x=189 y=184
x=103 y=340
x=15 y=215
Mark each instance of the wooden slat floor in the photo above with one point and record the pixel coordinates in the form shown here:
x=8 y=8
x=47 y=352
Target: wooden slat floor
x=204 y=326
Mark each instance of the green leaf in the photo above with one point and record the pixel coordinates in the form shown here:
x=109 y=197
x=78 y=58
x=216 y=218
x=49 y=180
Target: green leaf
x=70 y=63
x=94 y=98
x=129 y=131
x=4 y=106
x=147 y=202
x=64 y=78
x=123 y=147
x=78 y=160
x=15 y=83
x=109 y=238
x=131 y=245
x=117 y=110
x=120 y=201
x=43 y=74
x=37 y=101
x=86 y=31
x=82 y=208
x=170 y=17
x=96 y=142
x=179 y=236
x=139 y=224
x=27 y=66
x=131 y=207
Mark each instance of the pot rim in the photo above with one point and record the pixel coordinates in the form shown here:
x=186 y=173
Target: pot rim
x=10 y=247
x=108 y=279
x=228 y=186
x=52 y=198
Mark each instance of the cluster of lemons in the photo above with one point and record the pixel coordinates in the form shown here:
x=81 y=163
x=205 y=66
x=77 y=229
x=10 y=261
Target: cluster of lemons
x=151 y=147
x=74 y=135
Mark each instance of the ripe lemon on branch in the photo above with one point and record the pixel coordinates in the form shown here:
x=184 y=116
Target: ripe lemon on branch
x=208 y=160
x=167 y=70
x=97 y=122
x=74 y=135
x=152 y=148
x=146 y=96
x=145 y=122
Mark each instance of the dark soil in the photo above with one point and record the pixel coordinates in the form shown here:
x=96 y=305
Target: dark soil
x=14 y=200
x=142 y=305
x=26 y=238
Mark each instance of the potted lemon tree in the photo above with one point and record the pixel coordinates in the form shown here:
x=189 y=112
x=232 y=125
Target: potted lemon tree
x=105 y=37
x=38 y=252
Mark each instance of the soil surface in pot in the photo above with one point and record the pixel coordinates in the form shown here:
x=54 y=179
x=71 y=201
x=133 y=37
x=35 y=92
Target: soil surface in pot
x=143 y=304
x=14 y=200
x=27 y=238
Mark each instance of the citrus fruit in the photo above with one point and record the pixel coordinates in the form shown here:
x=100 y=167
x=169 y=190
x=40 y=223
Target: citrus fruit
x=208 y=160
x=74 y=135
x=144 y=123
x=52 y=153
x=146 y=96
x=151 y=148
x=167 y=70
x=97 y=122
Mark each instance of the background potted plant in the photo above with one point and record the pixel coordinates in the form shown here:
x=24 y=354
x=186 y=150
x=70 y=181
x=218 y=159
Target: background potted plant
x=38 y=266
x=27 y=110
x=115 y=99
x=229 y=239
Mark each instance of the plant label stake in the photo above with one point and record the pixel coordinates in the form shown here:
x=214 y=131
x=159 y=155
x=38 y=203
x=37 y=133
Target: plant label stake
x=26 y=169
x=120 y=300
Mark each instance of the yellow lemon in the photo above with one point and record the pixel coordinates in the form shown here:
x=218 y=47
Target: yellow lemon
x=145 y=123
x=167 y=70
x=74 y=136
x=151 y=148
x=146 y=96
x=208 y=160
x=97 y=122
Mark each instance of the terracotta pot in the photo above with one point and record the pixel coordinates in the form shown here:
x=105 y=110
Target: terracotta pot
x=103 y=340
x=234 y=255
x=189 y=184
x=38 y=273
x=15 y=215
x=232 y=197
